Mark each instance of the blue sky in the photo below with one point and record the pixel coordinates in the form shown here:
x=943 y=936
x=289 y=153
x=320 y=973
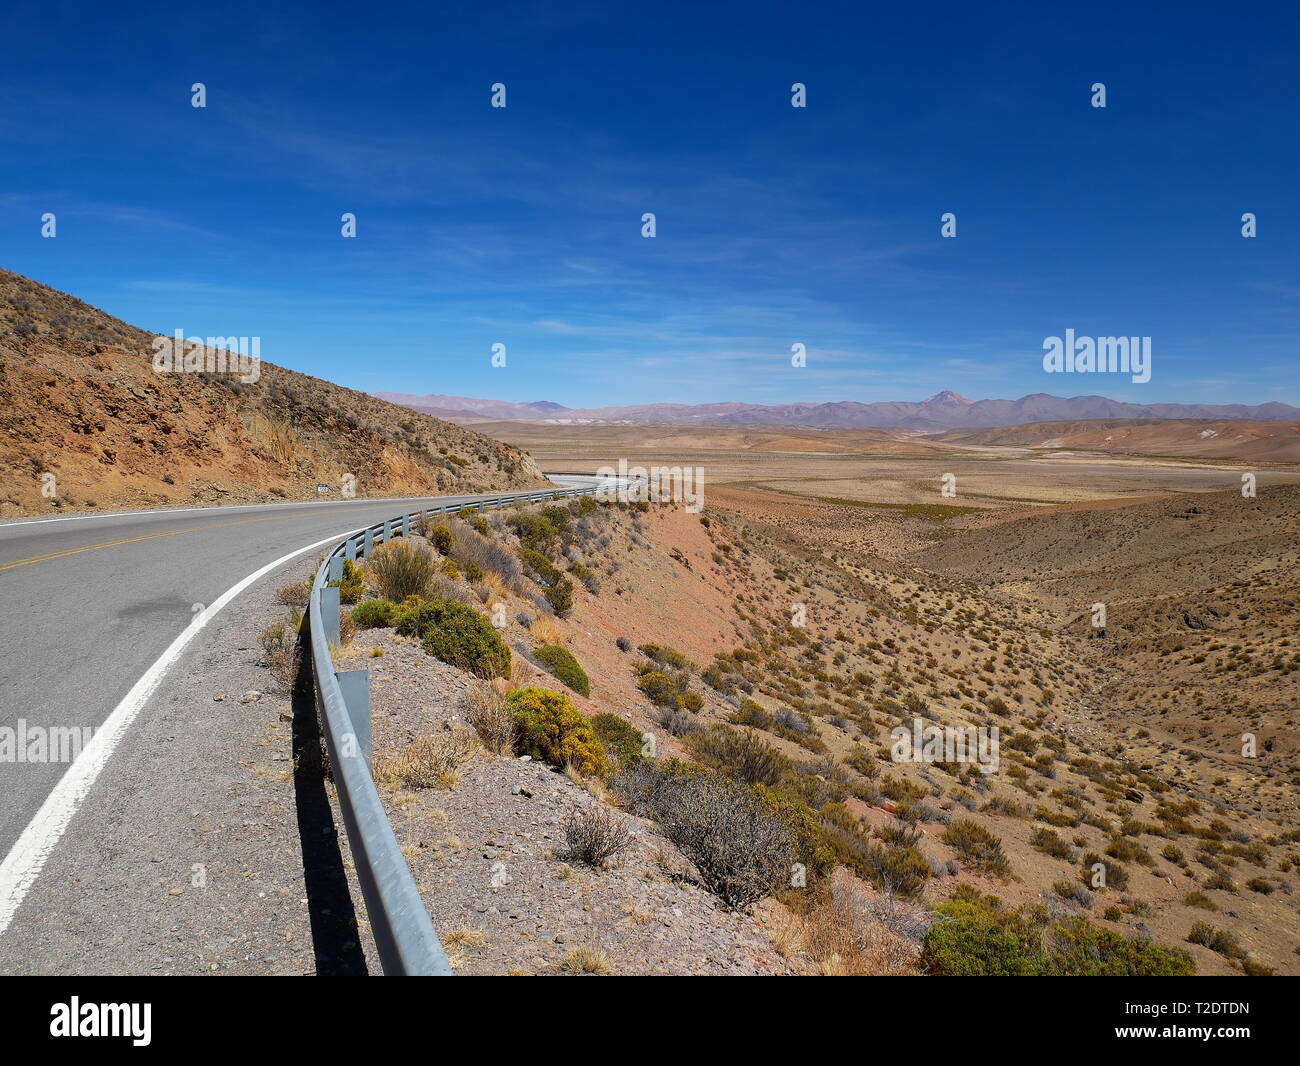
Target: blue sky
x=775 y=225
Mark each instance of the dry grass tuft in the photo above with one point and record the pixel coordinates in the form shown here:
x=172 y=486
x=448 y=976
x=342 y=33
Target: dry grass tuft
x=492 y=720
x=586 y=960
x=843 y=935
x=548 y=631
x=464 y=937
x=427 y=762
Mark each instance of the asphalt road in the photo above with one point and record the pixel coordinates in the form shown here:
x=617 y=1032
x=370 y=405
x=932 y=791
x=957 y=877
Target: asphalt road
x=90 y=604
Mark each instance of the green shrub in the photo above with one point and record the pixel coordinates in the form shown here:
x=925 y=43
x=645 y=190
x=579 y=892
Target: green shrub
x=587 y=576
x=980 y=849
x=406 y=618
x=402 y=569
x=974 y=943
x=561 y=664
x=559 y=517
x=812 y=849
x=374 y=614
x=752 y=714
x=1220 y=940
x=900 y=871
x=534 y=531
x=622 y=741
x=560 y=597
x=740 y=755
x=352 y=586
x=667 y=691
x=978 y=937
x=666 y=656
x=551 y=729
x=659 y=689
x=863 y=762
x=458 y=635
x=441 y=538
x=547 y=572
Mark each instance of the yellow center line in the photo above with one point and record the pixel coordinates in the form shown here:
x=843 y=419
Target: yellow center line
x=169 y=533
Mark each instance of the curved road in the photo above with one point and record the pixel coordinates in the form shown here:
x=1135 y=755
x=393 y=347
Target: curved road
x=92 y=603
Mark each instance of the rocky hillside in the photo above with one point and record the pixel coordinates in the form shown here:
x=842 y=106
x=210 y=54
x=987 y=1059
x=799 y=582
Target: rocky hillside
x=79 y=399
x=1111 y=826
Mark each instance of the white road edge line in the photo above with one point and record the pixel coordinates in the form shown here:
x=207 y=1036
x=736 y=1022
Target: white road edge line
x=32 y=849
x=14 y=522
x=226 y=508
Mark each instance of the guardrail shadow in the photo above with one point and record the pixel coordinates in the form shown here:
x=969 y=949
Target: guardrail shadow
x=336 y=940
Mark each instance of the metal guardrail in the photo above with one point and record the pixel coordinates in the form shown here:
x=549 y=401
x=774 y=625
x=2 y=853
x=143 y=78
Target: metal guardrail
x=399 y=921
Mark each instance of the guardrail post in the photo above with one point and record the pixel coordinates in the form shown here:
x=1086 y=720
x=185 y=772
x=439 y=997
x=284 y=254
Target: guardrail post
x=355 y=686
x=329 y=613
x=350 y=550
x=406 y=525
x=388 y=530
x=336 y=568
x=370 y=542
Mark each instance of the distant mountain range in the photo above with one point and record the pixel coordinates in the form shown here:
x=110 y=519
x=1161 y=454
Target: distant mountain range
x=942 y=411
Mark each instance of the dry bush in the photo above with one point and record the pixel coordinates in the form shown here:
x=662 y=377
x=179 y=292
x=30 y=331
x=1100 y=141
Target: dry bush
x=421 y=524
x=843 y=935
x=500 y=590
x=427 y=762
x=347 y=628
x=274 y=638
x=548 y=631
x=585 y=960
x=678 y=722
x=464 y=937
x=492 y=720
x=295 y=594
x=740 y=848
x=281 y=654
x=402 y=569
x=594 y=835
x=470 y=546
